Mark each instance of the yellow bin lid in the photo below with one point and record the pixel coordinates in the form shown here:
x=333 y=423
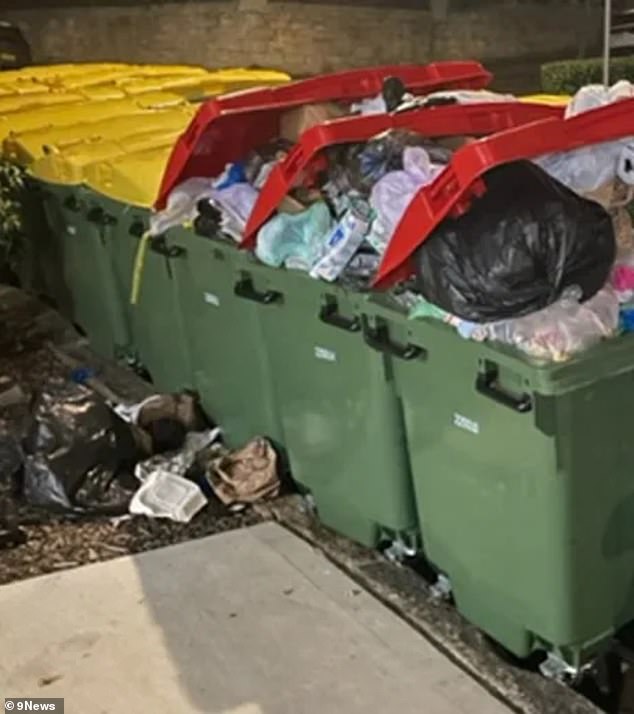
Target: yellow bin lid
x=69 y=167
x=32 y=145
x=141 y=85
x=53 y=72
x=27 y=102
x=134 y=178
x=556 y=99
x=65 y=115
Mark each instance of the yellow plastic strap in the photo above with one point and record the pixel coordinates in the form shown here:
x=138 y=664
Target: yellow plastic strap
x=139 y=263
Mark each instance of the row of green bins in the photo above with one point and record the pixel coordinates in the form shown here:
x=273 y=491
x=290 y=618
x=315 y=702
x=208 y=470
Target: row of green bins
x=277 y=353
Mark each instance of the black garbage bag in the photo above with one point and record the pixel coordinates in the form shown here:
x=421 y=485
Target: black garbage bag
x=518 y=248
x=78 y=454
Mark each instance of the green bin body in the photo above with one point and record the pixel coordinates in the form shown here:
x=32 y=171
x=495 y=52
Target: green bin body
x=524 y=484
x=157 y=337
x=339 y=409
x=229 y=361
x=81 y=276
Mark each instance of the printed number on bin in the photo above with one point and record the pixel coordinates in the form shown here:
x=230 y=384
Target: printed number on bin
x=325 y=355
x=212 y=299
x=462 y=422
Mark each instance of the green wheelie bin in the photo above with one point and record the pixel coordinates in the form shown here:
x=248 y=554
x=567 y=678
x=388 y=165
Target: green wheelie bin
x=121 y=191
x=522 y=474
x=220 y=310
x=340 y=412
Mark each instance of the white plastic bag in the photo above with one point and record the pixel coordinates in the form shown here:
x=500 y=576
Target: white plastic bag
x=393 y=193
x=591 y=167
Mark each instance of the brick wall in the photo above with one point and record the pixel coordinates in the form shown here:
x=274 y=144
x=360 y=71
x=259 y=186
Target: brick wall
x=305 y=38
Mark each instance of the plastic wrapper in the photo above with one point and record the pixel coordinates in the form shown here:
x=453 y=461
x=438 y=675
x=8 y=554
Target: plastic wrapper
x=622 y=278
x=77 y=453
x=343 y=242
x=517 y=249
x=374 y=105
x=420 y=309
x=564 y=329
x=392 y=195
x=182 y=205
x=235 y=203
x=299 y=237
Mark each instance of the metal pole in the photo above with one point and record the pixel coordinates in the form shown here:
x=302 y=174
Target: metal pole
x=607 y=32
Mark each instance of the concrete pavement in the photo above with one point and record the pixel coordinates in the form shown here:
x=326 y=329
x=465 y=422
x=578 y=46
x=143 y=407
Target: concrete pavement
x=246 y=622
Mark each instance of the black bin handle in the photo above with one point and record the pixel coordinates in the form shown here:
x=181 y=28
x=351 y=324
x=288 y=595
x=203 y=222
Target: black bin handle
x=330 y=315
x=378 y=339
x=159 y=245
x=137 y=229
x=245 y=289
x=487 y=385
x=72 y=203
x=99 y=216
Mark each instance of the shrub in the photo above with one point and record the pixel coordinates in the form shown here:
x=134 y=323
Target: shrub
x=568 y=76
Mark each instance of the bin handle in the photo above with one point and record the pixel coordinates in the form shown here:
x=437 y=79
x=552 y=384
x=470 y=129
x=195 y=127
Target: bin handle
x=159 y=245
x=244 y=288
x=329 y=314
x=487 y=386
x=73 y=204
x=378 y=339
x=98 y=215
x=137 y=229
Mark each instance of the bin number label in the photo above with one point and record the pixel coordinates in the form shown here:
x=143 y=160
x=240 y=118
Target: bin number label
x=466 y=424
x=212 y=299
x=325 y=355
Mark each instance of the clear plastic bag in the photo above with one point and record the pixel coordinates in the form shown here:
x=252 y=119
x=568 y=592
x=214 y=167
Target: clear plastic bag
x=562 y=330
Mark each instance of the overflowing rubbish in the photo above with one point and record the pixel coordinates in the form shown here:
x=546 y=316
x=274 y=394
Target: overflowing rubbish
x=519 y=247
x=591 y=167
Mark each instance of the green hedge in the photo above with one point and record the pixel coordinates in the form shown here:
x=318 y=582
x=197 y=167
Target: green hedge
x=568 y=76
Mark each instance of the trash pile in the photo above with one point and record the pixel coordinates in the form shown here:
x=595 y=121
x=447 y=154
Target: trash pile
x=543 y=261
x=83 y=455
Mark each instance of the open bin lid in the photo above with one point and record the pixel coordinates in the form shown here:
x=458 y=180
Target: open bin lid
x=460 y=183
x=432 y=122
x=228 y=128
